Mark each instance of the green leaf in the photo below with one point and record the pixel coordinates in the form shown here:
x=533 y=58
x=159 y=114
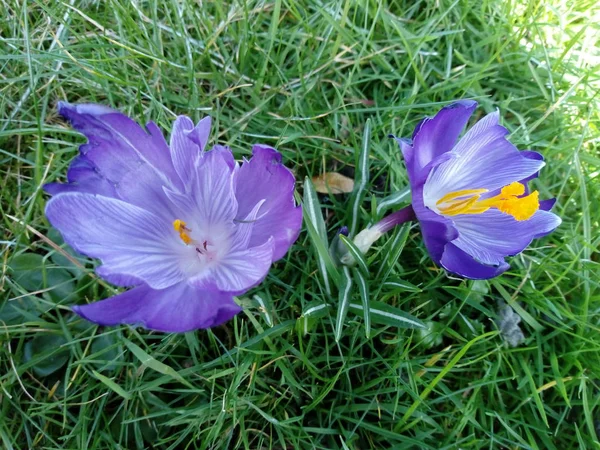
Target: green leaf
x=361 y=178
x=358 y=256
x=388 y=315
x=153 y=364
x=106 y=352
x=392 y=252
x=16 y=311
x=363 y=288
x=46 y=353
x=318 y=233
x=32 y=274
x=112 y=385
x=394 y=200
x=398 y=285
x=345 y=294
x=313 y=312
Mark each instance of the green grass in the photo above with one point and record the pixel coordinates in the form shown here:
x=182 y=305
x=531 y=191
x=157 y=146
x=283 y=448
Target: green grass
x=305 y=77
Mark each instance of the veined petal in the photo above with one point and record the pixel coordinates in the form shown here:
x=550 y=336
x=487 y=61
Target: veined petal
x=461 y=263
x=437 y=135
x=264 y=177
x=491 y=236
x=187 y=144
x=239 y=270
x=128 y=239
x=118 y=279
x=437 y=230
x=243 y=229
x=213 y=189
x=488 y=162
x=120 y=160
x=176 y=309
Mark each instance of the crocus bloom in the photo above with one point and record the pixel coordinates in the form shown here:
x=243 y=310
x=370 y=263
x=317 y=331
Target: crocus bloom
x=187 y=228
x=470 y=195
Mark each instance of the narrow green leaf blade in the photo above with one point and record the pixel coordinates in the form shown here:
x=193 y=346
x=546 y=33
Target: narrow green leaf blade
x=153 y=364
x=344 y=301
x=361 y=178
x=388 y=315
x=363 y=289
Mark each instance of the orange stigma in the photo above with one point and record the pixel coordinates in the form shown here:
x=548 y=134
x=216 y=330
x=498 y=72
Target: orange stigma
x=508 y=201
x=180 y=227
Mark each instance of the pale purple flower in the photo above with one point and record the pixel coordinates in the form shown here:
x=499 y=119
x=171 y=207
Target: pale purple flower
x=187 y=228
x=470 y=195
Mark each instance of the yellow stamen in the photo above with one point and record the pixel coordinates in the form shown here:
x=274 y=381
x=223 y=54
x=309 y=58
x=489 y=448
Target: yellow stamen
x=180 y=227
x=508 y=201
x=465 y=193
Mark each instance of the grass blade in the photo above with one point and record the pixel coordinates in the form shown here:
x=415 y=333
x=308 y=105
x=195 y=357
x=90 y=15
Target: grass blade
x=153 y=364
x=388 y=315
x=361 y=178
x=318 y=233
x=358 y=256
x=344 y=296
x=363 y=288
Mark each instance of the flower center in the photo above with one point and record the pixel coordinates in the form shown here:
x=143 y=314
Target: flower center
x=510 y=201
x=203 y=247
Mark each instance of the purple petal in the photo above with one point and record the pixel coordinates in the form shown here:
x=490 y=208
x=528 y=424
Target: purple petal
x=120 y=160
x=484 y=159
x=187 y=144
x=118 y=279
x=459 y=262
x=437 y=135
x=209 y=198
x=213 y=190
x=226 y=154
x=493 y=235
x=407 y=153
x=176 y=309
x=83 y=177
x=547 y=205
x=265 y=178
x=239 y=270
x=437 y=230
x=536 y=157
x=436 y=234
x=243 y=229
x=129 y=240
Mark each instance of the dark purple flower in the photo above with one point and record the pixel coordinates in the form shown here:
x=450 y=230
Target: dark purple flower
x=186 y=227
x=470 y=194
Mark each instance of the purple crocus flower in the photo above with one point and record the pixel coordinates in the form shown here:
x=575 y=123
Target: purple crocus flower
x=187 y=228
x=470 y=195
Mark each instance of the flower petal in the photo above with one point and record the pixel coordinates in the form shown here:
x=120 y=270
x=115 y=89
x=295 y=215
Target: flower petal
x=461 y=263
x=484 y=159
x=536 y=157
x=265 y=178
x=187 y=144
x=129 y=240
x=176 y=309
x=240 y=270
x=437 y=230
x=437 y=135
x=82 y=176
x=121 y=159
x=493 y=235
x=548 y=204
x=213 y=190
x=243 y=229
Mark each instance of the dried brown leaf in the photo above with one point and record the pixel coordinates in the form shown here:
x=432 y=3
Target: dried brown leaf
x=333 y=182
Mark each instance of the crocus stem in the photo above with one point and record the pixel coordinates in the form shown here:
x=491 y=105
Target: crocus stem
x=397 y=218
x=367 y=237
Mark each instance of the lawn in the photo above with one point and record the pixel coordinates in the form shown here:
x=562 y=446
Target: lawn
x=325 y=83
